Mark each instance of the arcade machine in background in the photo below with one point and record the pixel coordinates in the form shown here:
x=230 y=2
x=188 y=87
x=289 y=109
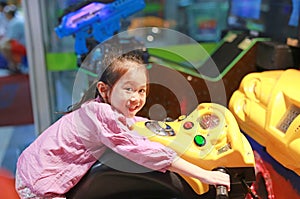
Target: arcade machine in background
x=282 y=52
x=277 y=20
x=232 y=56
x=226 y=64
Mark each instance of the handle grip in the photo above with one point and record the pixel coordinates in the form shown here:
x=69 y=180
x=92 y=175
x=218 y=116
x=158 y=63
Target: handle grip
x=221 y=190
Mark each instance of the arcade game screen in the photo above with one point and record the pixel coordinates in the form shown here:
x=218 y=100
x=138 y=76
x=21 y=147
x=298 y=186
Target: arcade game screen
x=277 y=19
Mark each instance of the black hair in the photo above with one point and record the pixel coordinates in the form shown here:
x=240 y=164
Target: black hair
x=3 y=4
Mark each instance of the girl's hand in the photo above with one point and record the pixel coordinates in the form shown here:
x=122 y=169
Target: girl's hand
x=182 y=166
x=217 y=178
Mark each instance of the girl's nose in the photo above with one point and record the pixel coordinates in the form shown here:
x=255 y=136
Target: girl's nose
x=134 y=97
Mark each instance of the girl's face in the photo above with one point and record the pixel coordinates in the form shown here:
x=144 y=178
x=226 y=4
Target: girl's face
x=128 y=95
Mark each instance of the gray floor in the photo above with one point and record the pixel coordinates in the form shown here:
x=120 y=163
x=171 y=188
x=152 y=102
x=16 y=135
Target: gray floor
x=13 y=140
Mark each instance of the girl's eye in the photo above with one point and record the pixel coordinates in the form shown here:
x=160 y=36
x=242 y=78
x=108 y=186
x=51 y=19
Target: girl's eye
x=142 y=91
x=129 y=89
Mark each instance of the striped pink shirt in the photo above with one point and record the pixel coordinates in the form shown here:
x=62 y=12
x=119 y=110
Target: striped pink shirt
x=65 y=151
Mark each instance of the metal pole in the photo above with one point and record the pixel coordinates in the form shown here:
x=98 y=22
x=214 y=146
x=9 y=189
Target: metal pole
x=33 y=15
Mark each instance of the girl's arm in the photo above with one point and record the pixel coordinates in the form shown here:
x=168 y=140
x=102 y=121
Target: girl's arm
x=186 y=168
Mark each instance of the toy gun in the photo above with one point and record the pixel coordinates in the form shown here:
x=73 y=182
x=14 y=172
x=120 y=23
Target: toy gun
x=208 y=137
x=96 y=20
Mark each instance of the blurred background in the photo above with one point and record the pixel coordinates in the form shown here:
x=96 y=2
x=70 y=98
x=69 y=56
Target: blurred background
x=37 y=75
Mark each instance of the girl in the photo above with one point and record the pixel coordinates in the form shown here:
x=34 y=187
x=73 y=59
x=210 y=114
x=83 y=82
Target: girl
x=64 y=152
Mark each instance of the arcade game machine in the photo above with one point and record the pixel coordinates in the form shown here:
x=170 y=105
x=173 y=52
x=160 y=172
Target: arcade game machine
x=233 y=58
x=219 y=72
x=209 y=136
x=268 y=52
x=266 y=104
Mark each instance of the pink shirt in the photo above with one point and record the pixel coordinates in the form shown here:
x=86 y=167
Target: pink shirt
x=65 y=151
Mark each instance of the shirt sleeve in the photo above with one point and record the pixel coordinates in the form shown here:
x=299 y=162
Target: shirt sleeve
x=115 y=135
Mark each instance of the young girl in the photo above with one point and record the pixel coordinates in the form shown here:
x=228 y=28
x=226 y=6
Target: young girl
x=64 y=152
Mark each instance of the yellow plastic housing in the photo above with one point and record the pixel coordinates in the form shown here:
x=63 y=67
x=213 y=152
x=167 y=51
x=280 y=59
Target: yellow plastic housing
x=267 y=107
x=208 y=137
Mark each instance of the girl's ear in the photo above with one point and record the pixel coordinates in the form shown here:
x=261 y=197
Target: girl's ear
x=103 y=90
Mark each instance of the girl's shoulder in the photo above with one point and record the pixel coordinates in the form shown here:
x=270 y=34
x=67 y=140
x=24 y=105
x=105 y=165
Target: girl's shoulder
x=140 y=119
x=99 y=108
x=96 y=105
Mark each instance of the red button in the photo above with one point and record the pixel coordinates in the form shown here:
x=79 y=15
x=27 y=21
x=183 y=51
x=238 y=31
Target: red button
x=188 y=125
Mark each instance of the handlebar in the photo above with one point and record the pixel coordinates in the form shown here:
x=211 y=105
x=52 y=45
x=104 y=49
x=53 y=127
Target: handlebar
x=221 y=190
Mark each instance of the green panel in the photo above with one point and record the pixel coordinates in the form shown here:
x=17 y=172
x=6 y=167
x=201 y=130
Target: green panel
x=68 y=60
x=152 y=8
x=183 y=53
x=61 y=61
x=181 y=57
x=179 y=61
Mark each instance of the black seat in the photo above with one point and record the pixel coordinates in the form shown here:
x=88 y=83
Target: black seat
x=115 y=177
x=104 y=182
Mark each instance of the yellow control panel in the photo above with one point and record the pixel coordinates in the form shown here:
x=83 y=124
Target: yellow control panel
x=208 y=137
x=267 y=108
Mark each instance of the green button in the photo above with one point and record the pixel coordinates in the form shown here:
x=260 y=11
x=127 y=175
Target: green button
x=199 y=140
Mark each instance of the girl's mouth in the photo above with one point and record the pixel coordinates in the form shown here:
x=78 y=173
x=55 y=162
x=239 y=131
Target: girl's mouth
x=133 y=108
